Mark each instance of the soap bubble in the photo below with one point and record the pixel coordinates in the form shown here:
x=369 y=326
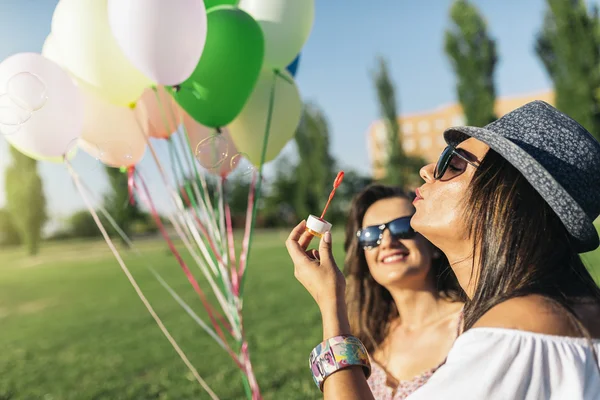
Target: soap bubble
x=212 y=151
x=27 y=90
x=238 y=164
x=11 y=115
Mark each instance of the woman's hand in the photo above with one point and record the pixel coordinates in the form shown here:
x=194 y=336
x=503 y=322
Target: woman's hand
x=317 y=270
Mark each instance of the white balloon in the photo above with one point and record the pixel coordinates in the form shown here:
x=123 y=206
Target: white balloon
x=50 y=130
x=286 y=24
x=111 y=133
x=164 y=39
x=248 y=129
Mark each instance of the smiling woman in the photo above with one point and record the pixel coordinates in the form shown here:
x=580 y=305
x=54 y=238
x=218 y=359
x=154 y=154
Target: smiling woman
x=512 y=206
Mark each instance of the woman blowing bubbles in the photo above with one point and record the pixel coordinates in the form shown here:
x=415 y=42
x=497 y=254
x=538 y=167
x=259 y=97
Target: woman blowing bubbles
x=511 y=205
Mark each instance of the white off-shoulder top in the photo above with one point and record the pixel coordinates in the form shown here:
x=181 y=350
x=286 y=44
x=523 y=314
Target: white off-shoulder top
x=508 y=364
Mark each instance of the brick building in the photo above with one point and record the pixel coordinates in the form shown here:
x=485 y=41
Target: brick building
x=421 y=133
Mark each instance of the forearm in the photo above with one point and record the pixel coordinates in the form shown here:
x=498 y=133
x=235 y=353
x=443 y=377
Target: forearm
x=349 y=383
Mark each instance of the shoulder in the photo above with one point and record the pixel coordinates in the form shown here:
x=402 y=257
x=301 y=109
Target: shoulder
x=529 y=313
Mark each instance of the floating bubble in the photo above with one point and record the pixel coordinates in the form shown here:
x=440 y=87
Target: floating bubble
x=27 y=90
x=11 y=115
x=237 y=164
x=212 y=151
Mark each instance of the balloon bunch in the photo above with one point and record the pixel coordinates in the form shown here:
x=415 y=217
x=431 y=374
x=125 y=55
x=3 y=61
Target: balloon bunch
x=214 y=79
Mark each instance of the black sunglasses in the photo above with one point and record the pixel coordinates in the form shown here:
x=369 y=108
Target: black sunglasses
x=451 y=163
x=370 y=236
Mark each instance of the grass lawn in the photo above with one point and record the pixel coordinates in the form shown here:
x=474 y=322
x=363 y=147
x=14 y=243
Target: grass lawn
x=73 y=328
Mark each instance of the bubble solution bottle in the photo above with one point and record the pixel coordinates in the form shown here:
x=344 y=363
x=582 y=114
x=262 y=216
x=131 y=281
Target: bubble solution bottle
x=317 y=226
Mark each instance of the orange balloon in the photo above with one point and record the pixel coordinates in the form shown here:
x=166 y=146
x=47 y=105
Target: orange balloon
x=215 y=151
x=162 y=111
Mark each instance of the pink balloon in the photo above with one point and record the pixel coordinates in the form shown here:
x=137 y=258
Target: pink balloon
x=215 y=151
x=162 y=112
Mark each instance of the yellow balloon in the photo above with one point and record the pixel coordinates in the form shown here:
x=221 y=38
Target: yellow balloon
x=248 y=129
x=84 y=43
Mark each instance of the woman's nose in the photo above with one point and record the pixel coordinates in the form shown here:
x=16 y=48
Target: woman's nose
x=427 y=172
x=386 y=239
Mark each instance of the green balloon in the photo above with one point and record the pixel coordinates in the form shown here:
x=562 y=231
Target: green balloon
x=228 y=70
x=208 y=4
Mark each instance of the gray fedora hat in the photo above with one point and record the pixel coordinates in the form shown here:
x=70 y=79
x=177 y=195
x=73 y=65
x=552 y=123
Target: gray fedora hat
x=558 y=157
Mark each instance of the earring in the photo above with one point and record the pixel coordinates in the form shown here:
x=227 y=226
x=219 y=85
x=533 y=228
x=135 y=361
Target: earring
x=436 y=255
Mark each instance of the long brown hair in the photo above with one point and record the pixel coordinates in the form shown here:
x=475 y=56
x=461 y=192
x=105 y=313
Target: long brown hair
x=371 y=307
x=521 y=245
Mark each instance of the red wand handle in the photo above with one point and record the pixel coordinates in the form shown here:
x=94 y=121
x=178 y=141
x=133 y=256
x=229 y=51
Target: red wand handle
x=338 y=180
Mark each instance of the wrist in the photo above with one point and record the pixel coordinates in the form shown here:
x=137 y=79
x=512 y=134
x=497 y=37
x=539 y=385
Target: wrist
x=335 y=318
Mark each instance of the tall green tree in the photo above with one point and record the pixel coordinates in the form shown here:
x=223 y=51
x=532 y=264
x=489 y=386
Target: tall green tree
x=569 y=48
x=25 y=200
x=395 y=168
x=117 y=201
x=472 y=53
x=315 y=170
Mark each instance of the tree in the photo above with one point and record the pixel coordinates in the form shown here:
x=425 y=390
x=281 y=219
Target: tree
x=9 y=234
x=280 y=201
x=569 y=48
x=395 y=167
x=117 y=202
x=315 y=170
x=472 y=54
x=25 y=200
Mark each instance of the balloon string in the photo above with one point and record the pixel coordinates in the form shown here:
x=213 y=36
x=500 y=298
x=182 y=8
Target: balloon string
x=204 y=195
x=132 y=246
x=136 y=287
x=146 y=197
x=130 y=173
x=260 y=171
x=230 y=240
x=190 y=202
x=250 y=372
x=156 y=159
x=158 y=164
x=247 y=230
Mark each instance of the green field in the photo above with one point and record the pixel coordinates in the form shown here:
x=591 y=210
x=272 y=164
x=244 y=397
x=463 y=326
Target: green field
x=72 y=327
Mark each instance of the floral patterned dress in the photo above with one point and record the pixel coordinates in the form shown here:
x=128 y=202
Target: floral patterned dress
x=378 y=381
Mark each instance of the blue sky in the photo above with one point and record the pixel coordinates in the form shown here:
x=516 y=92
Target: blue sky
x=334 y=69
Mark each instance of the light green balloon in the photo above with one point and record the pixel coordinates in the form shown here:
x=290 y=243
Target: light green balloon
x=248 y=129
x=286 y=24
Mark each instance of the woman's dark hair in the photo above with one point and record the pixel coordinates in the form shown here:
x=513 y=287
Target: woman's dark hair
x=520 y=244
x=371 y=308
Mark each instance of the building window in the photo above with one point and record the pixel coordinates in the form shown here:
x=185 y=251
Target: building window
x=407 y=128
x=409 y=145
x=440 y=124
x=423 y=126
x=425 y=143
x=458 y=120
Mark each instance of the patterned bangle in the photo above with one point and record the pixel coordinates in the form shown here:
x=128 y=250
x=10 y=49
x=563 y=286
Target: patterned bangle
x=335 y=354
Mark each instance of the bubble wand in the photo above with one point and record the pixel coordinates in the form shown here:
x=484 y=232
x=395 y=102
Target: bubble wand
x=317 y=226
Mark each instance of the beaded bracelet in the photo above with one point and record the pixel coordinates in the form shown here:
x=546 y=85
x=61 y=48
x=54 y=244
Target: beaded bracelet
x=335 y=354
